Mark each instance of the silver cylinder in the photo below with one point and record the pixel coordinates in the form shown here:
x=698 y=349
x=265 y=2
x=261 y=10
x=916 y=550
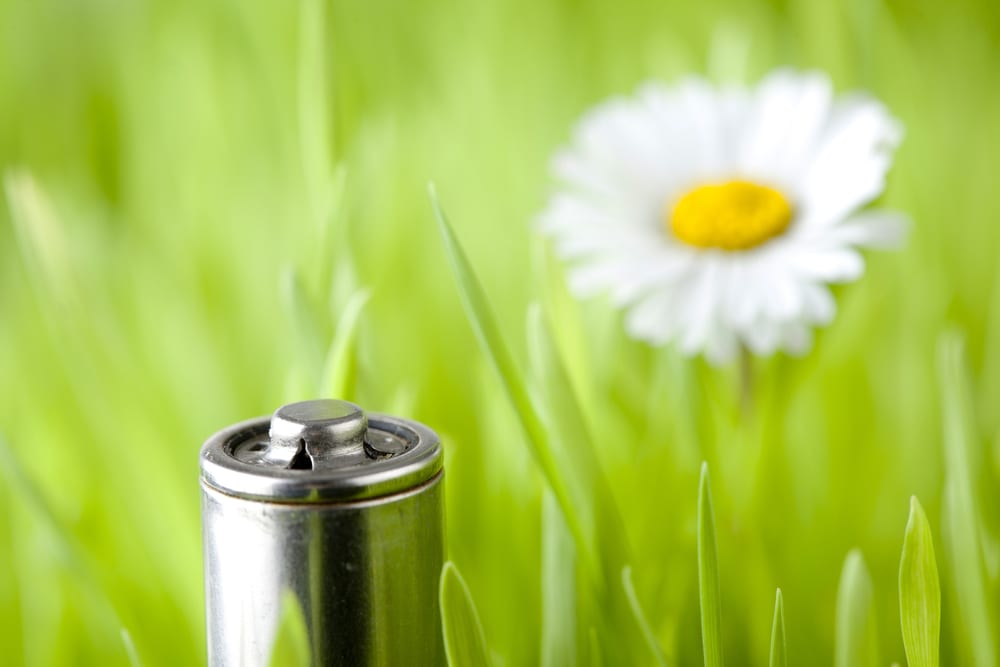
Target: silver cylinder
x=339 y=509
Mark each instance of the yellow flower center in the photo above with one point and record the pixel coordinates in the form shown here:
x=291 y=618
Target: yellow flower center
x=732 y=216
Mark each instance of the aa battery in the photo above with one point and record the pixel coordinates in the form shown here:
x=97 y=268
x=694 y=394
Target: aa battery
x=337 y=510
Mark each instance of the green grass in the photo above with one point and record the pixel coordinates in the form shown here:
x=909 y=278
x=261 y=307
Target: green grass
x=212 y=208
x=464 y=642
x=919 y=592
x=779 y=651
x=856 y=630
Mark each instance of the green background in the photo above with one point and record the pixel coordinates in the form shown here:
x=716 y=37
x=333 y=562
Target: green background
x=197 y=191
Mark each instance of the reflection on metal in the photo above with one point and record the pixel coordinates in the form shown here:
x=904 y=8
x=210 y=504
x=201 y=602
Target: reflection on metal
x=340 y=508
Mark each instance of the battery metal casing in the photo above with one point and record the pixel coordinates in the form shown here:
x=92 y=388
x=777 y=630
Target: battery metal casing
x=354 y=536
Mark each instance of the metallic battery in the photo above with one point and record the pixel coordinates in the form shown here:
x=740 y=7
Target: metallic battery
x=339 y=509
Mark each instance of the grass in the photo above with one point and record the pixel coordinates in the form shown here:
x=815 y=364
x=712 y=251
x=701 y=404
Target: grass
x=919 y=592
x=212 y=208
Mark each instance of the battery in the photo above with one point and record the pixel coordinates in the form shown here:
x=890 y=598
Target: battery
x=342 y=511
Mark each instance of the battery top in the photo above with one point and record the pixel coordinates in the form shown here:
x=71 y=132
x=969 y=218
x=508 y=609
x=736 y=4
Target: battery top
x=320 y=451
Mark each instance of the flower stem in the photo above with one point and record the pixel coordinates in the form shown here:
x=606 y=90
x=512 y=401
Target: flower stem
x=746 y=387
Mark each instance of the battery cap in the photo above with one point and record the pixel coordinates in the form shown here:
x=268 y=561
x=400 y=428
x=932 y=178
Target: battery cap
x=308 y=433
x=320 y=450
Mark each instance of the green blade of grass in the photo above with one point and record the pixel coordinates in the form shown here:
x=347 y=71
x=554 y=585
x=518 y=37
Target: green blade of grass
x=339 y=368
x=70 y=552
x=919 y=592
x=856 y=639
x=960 y=509
x=130 y=652
x=779 y=653
x=314 y=143
x=464 y=639
x=575 y=449
x=990 y=368
x=588 y=487
x=554 y=424
x=558 y=588
x=708 y=575
x=41 y=238
x=640 y=618
x=301 y=312
x=67 y=550
x=291 y=638
x=972 y=610
x=596 y=657
x=330 y=263
x=487 y=332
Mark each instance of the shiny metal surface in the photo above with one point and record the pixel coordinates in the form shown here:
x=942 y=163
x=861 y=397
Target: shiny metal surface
x=343 y=510
x=245 y=460
x=317 y=432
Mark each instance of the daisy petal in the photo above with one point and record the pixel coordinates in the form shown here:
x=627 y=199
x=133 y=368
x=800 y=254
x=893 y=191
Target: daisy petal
x=840 y=265
x=624 y=279
x=762 y=338
x=790 y=111
x=699 y=306
x=722 y=346
x=852 y=159
x=872 y=229
x=818 y=305
x=796 y=339
x=653 y=318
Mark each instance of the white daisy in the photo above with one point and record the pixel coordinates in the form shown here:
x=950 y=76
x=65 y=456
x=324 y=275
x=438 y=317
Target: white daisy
x=718 y=216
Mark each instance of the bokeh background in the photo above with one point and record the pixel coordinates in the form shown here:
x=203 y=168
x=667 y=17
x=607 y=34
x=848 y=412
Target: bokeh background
x=216 y=207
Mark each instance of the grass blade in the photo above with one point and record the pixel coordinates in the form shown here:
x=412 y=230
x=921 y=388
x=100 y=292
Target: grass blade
x=708 y=575
x=314 y=140
x=572 y=444
x=69 y=551
x=464 y=640
x=484 y=325
x=919 y=591
x=960 y=510
x=964 y=566
x=856 y=638
x=576 y=480
x=596 y=656
x=130 y=652
x=291 y=639
x=779 y=653
x=554 y=423
x=640 y=617
x=558 y=588
x=339 y=368
x=305 y=328
x=41 y=236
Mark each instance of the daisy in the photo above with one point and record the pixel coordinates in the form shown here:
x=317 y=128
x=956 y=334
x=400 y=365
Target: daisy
x=718 y=216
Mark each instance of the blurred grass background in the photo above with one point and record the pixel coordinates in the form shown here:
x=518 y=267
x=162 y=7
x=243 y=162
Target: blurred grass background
x=196 y=191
